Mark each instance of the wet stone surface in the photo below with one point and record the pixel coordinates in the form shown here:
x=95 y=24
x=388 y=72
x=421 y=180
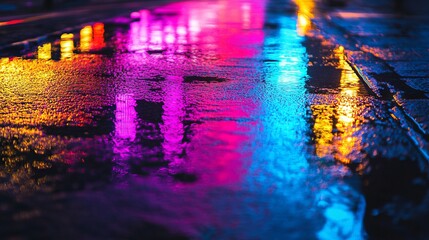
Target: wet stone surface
x=202 y=120
x=389 y=47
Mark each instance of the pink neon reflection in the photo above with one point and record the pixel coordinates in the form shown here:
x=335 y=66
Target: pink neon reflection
x=199 y=23
x=225 y=30
x=126 y=115
x=172 y=129
x=125 y=130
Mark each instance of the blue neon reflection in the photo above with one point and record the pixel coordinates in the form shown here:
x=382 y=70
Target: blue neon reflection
x=280 y=150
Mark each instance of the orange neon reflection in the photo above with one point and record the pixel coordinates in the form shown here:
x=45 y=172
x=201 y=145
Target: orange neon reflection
x=98 y=41
x=304 y=15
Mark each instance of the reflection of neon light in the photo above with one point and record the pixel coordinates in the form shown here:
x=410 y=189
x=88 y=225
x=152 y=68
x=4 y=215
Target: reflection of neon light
x=194 y=26
x=170 y=37
x=344 y=212
x=98 y=42
x=45 y=51
x=125 y=129
x=246 y=12
x=172 y=128
x=135 y=15
x=156 y=39
x=322 y=129
x=4 y=60
x=304 y=24
x=181 y=32
x=342 y=144
x=347 y=109
x=293 y=67
x=283 y=122
x=86 y=39
x=125 y=117
x=12 y=22
x=66 y=45
x=305 y=14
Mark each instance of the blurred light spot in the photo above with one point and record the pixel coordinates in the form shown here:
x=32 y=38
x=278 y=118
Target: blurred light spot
x=125 y=117
x=66 y=45
x=135 y=15
x=305 y=14
x=363 y=15
x=322 y=129
x=44 y=52
x=172 y=128
x=246 y=15
x=86 y=39
x=344 y=210
x=98 y=42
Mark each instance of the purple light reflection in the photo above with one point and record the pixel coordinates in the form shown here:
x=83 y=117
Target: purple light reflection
x=172 y=127
x=125 y=129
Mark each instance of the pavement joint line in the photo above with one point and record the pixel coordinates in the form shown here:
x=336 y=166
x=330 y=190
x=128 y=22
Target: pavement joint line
x=417 y=125
x=374 y=90
x=393 y=96
x=419 y=140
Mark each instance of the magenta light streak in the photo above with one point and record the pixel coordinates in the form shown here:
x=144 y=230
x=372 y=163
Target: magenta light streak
x=172 y=128
x=125 y=129
x=214 y=148
x=126 y=115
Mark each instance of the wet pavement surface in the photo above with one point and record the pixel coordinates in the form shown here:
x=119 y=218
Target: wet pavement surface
x=389 y=47
x=203 y=120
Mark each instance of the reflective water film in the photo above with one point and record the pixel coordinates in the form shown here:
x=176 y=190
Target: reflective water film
x=196 y=120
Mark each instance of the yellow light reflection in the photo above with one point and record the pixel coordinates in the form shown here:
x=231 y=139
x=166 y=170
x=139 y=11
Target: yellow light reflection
x=4 y=60
x=44 y=52
x=66 y=45
x=304 y=15
x=34 y=94
x=348 y=122
x=86 y=39
x=342 y=116
x=322 y=129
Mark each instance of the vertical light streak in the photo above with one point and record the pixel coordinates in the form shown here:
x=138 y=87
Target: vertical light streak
x=347 y=123
x=98 y=41
x=86 y=39
x=305 y=15
x=172 y=128
x=66 y=45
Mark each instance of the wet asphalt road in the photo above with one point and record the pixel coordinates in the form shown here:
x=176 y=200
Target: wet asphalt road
x=202 y=120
